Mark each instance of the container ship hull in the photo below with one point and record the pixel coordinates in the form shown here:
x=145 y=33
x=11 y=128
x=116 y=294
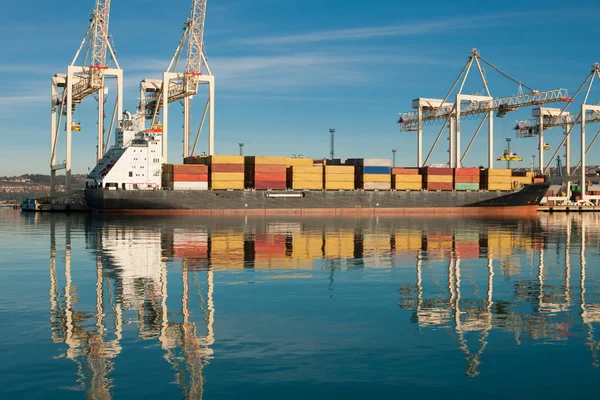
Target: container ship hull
x=316 y=202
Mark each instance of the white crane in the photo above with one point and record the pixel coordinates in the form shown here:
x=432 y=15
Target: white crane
x=451 y=113
x=81 y=80
x=551 y=117
x=182 y=85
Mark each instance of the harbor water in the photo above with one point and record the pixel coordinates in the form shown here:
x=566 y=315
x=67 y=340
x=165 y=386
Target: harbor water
x=171 y=307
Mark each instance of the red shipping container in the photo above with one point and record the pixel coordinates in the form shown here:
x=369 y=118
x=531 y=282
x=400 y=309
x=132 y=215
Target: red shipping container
x=437 y=171
x=439 y=186
x=405 y=171
x=227 y=168
x=269 y=169
x=190 y=169
x=179 y=177
x=466 y=179
x=270 y=185
x=269 y=177
x=466 y=172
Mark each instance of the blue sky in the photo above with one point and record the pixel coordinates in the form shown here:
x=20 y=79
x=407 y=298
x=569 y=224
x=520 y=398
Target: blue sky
x=288 y=71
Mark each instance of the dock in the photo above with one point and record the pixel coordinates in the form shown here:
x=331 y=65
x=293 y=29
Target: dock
x=571 y=208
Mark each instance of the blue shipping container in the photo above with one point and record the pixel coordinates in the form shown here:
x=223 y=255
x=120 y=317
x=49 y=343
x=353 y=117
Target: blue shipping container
x=377 y=170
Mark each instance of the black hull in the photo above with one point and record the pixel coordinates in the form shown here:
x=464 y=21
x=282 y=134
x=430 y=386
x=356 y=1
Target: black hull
x=182 y=200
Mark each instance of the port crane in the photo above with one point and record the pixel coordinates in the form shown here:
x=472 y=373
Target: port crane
x=156 y=95
x=545 y=118
x=85 y=76
x=430 y=111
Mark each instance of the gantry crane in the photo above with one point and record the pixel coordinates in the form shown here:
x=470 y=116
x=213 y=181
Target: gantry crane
x=431 y=110
x=81 y=81
x=183 y=86
x=551 y=117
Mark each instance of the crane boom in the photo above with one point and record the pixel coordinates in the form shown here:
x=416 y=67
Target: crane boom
x=531 y=127
x=409 y=120
x=100 y=19
x=196 y=37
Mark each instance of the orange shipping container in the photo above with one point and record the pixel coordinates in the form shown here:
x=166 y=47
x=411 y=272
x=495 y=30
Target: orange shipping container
x=266 y=168
x=227 y=168
x=269 y=176
x=466 y=179
x=467 y=172
x=190 y=169
x=405 y=171
x=190 y=177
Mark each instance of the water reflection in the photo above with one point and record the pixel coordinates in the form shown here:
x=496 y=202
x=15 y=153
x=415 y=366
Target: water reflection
x=158 y=274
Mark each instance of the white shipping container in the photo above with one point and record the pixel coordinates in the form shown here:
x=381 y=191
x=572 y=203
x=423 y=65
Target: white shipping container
x=190 y=186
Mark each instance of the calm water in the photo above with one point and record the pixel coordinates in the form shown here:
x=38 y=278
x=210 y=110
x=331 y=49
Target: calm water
x=191 y=307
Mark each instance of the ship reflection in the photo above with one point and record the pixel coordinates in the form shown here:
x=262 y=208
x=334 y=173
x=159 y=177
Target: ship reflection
x=472 y=277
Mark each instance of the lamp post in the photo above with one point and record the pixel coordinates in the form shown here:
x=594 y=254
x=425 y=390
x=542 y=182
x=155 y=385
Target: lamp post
x=394 y=157
x=332 y=153
x=241 y=149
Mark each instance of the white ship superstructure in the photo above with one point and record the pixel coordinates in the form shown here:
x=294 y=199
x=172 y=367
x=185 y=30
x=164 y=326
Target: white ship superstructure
x=134 y=162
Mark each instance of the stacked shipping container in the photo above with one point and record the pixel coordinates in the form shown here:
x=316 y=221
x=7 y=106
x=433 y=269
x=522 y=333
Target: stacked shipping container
x=265 y=172
x=372 y=173
x=338 y=177
x=496 y=179
x=185 y=177
x=306 y=177
x=437 y=178
x=466 y=179
x=226 y=172
x=406 y=179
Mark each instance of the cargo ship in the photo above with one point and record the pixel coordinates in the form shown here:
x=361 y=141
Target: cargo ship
x=131 y=177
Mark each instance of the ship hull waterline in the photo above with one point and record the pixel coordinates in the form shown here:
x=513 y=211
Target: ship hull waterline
x=249 y=202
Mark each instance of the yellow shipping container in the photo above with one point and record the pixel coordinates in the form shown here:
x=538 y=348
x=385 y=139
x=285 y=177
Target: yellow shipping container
x=297 y=162
x=226 y=160
x=408 y=178
x=439 y=178
x=501 y=179
x=409 y=186
x=227 y=176
x=499 y=186
x=498 y=172
x=339 y=169
x=299 y=185
x=376 y=178
x=303 y=169
x=307 y=177
x=226 y=185
x=344 y=178
x=266 y=160
x=339 y=185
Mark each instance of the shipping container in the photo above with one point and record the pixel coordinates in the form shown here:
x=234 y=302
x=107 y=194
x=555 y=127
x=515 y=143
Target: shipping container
x=377 y=185
x=189 y=169
x=190 y=185
x=370 y=162
x=438 y=179
x=374 y=178
x=227 y=168
x=297 y=162
x=339 y=185
x=437 y=171
x=408 y=185
x=263 y=185
x=405 y=171
x=466 y=186
x=227 y=176
x=439 y=186
x=407 y=178
x=262 y=160
x=212 y=160
x=339 y=169
x=498 y=186
x=307 y=178
x=496 y=172
x=307 y=185
x=189 y=177
x=467 y=179
x=271 y=177
x=226 y=185
x=339 y=178
x=374 y=171
x=499 y=179
x=307 y=169
x=467 y=172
